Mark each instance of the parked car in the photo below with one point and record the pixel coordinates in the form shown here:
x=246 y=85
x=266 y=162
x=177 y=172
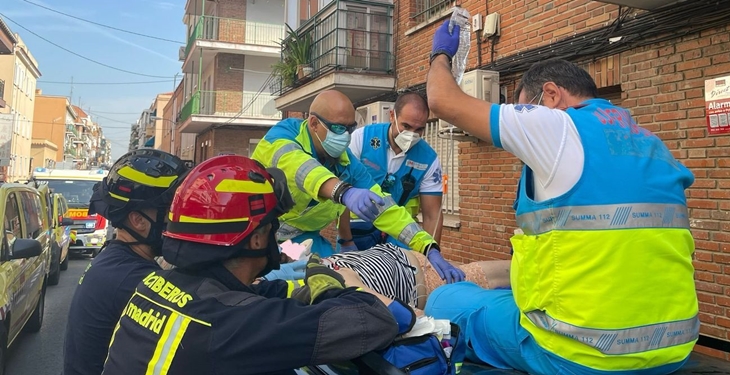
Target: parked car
x=63 y=228
x=25 y=258
x=58 y=228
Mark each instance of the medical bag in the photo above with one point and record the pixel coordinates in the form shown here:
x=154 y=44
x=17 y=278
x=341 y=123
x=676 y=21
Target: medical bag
x=427 y=354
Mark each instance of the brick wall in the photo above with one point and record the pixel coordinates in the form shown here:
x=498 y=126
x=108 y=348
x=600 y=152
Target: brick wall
x=525 y=24
x=662 y=85
x=234 y=140
x=228 y=83
x=232 y=25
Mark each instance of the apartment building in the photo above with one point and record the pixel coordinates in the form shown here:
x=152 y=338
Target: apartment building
x=55 y=122
x=227 y=61
x=152 y=129
x=175 y=141
x=7 y=46
x=21 y=69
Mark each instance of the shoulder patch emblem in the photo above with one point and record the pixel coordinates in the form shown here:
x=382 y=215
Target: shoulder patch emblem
x=375 y=143
x=524 y=108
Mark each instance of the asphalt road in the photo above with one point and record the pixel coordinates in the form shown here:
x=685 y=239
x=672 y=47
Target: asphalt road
x=42 y=353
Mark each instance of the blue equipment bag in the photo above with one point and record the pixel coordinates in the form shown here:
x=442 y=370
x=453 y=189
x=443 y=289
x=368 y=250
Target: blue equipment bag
x=426 y=355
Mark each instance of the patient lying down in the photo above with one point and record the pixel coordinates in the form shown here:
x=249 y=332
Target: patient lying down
x=407 y=275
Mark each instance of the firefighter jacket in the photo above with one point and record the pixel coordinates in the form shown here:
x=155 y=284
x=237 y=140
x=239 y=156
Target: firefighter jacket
x=208 y=322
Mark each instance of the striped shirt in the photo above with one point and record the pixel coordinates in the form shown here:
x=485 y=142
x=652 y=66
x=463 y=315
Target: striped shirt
x=382 y=268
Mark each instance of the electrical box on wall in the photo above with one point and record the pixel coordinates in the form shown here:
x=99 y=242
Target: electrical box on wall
x=481 y=84
x=491 y=25
x=476 y=22
x=373 y=113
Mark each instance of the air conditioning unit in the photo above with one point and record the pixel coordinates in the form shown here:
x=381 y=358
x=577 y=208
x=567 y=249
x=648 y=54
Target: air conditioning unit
x=481 y=84
x=373 y=113
x=181 y=54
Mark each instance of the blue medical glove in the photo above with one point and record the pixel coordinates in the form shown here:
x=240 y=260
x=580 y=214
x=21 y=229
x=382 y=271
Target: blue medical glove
x=445 y=42
x=346 y=248
x=289 y=271
x=445 y=269
x=363 y=203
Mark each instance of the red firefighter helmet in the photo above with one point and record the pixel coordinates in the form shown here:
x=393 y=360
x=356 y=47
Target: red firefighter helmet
x=224 y=199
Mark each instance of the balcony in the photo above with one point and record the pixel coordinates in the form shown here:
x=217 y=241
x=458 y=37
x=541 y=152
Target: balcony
x=2 y=93
x=207 y=108
x=213 y=35
x=69 y=150
x=352 y=52
x=71 y=131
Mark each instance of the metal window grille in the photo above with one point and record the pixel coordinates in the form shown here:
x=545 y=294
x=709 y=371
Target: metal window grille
x=426 y=9
x=448 y=152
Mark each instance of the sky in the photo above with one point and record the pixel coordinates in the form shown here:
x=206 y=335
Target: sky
x=114 y=107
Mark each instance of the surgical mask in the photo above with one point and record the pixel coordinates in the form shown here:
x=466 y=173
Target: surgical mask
x=405 y=139
x=335 y=144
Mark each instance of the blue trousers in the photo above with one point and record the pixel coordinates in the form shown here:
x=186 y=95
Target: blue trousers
x=490 y=320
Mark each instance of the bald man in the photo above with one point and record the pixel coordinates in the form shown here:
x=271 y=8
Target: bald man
x=324 y=178
x=404 y=166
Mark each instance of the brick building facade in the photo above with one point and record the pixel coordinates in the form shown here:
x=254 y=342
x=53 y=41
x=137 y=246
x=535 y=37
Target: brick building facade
x=658 y=76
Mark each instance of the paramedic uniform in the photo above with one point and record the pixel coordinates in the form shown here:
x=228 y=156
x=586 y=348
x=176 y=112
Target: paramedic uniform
x=419 y=167
x=289 y=147
x=602 y=278
x=208 y=322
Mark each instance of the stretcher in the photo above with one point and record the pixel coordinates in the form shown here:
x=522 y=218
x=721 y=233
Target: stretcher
x=373 y=364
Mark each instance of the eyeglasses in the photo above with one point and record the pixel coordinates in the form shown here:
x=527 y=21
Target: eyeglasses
x=334 y=127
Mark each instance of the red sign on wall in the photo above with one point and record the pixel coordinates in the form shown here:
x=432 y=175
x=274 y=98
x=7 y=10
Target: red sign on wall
x=717 y=105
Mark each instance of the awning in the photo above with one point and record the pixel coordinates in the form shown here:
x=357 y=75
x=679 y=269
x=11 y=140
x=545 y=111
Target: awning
x=150 y=142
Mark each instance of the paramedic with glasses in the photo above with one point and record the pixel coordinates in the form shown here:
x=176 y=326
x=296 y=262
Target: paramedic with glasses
x=325 y=178
x=406 y=168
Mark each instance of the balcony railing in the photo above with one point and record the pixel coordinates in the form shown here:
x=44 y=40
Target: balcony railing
x=2 y=89
x=69 y=150
x=233 y=30
x=357 y=36
x=229 y=104
x=71 y=130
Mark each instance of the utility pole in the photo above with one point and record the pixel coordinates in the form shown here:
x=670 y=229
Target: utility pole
x=71 y=95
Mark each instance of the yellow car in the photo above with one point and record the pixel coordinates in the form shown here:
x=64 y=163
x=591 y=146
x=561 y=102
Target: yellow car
x=54 y=208
x=25 y=258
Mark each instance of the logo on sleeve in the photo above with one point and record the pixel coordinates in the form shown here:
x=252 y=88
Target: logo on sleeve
x=524 y=108
x=375 y=143
x=437 y=176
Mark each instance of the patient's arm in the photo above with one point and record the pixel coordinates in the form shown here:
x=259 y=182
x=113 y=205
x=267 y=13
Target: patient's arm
x=496 y=272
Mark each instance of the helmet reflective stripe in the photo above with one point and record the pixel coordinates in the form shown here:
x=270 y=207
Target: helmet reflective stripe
x=190 y=219
x=144 y=179
x=238 y=186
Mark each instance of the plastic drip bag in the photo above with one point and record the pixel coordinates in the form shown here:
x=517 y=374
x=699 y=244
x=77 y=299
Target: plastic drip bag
x=427 y=325
x=461 y=17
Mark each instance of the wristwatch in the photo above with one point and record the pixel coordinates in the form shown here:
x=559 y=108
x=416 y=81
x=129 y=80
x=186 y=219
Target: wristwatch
x=343 y=241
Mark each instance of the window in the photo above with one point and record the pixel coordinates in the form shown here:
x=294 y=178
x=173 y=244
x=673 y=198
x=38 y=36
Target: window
x=448 y=153
x=425 y=9
x=12 y=224
x=32 y=212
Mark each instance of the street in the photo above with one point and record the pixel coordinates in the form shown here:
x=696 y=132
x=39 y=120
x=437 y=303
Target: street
x=42 y=353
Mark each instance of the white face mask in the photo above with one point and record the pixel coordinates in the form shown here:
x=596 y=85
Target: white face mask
x=405 y=139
